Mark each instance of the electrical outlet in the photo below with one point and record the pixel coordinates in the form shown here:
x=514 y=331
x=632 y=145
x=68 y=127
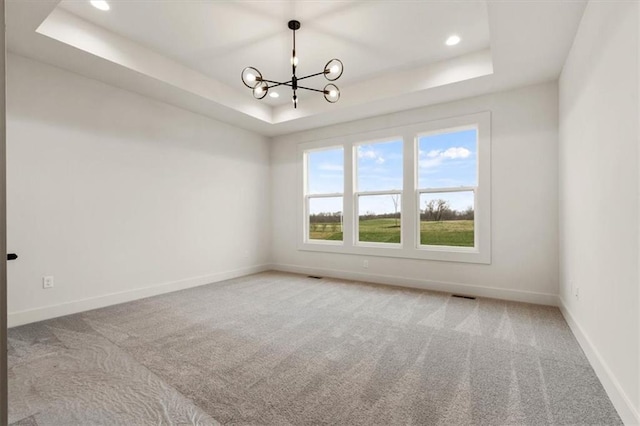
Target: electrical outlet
x=365 y=264
x=47 y=282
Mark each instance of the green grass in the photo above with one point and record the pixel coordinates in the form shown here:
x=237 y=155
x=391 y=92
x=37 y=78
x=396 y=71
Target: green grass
x=380 y=230
x=445 y=233
x=457 y=233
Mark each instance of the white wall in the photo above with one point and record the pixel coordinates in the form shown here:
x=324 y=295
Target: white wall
x=524 y=203
x=599 y=212
x=120 y=197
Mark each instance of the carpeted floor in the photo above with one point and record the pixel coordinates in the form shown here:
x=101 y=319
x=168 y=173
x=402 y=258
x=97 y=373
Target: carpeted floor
x=277 y=348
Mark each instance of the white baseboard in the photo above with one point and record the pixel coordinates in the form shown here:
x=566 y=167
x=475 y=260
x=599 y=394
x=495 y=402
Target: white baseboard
x=623 y=404
x=47 y=312
x=447 y=287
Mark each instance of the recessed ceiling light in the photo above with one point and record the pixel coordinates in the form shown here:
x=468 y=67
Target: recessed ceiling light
x=100 y=4
x=274 y=95
x=453 y=40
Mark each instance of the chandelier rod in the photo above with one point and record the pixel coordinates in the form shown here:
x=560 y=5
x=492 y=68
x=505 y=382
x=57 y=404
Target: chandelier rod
x=276 y=83
x=294 y=80
x=309 y=88
x=311 y=75
x=293 y=53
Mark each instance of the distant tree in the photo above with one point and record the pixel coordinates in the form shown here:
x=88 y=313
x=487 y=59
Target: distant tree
x=435 y=209
x=468 y=214
x=368 y=215
x=395 y=199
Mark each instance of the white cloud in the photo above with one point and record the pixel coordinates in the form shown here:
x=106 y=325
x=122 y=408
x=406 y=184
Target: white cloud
x=456 y=152
x=367 y=153
x=370 y=154
x=435 y=157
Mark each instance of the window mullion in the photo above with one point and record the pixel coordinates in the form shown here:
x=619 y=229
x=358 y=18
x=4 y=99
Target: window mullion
x=348 y=199
x=390 y=192
x=438 y=190
x=408 y=216
x=327 y=195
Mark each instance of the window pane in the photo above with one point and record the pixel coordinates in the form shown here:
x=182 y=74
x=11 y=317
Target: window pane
x=380 y=166
x=325 y=171
x=447 y=219
x=448 y=160
x=325 y=218
x=379 y=218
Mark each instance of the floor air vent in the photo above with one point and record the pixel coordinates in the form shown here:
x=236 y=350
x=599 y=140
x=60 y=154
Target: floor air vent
x=463 y=297
x=315 y=277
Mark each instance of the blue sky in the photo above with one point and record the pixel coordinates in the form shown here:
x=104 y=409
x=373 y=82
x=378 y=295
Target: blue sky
x=379 y=166
x=448 y=160
x=326 y=171
x=445 y=160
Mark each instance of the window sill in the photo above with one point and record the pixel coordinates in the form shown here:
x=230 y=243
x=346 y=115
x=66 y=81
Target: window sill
x=435 y=253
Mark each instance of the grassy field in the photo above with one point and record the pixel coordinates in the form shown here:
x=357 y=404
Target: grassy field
x=445 y=233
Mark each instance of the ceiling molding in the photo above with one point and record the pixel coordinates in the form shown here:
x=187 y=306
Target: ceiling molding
x=522 y=52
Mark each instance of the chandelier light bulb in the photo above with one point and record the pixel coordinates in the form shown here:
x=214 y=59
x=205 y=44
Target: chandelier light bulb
x=333 y=69
x=331 y=93
x=251 y=77
x=261 y=90
x=294 y=61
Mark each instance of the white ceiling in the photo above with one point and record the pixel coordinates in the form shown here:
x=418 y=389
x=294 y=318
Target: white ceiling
x=219 y=39
x=191 y=53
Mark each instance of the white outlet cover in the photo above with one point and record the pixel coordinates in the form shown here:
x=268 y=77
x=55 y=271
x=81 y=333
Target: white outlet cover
x=47 y=282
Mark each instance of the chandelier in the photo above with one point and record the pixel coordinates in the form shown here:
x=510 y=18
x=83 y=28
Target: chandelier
x=252 y=78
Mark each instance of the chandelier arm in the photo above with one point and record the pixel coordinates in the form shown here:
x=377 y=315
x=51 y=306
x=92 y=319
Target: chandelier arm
x=277 y=83
x=311 y=75
x=309 y=88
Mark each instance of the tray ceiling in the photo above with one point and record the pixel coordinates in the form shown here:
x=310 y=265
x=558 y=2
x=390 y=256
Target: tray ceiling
x=191 y=53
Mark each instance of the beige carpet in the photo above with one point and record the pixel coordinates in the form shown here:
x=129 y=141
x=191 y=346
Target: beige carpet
x=278 y=348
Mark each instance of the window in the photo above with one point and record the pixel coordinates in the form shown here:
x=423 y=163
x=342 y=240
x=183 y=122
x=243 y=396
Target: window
x=324 y=194
x=447 y=182
x=379 y=191
x=420 y=191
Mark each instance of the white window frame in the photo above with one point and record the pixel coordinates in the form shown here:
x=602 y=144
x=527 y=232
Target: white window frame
x=308 y=197
x=409 y=247
x=357 y=194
